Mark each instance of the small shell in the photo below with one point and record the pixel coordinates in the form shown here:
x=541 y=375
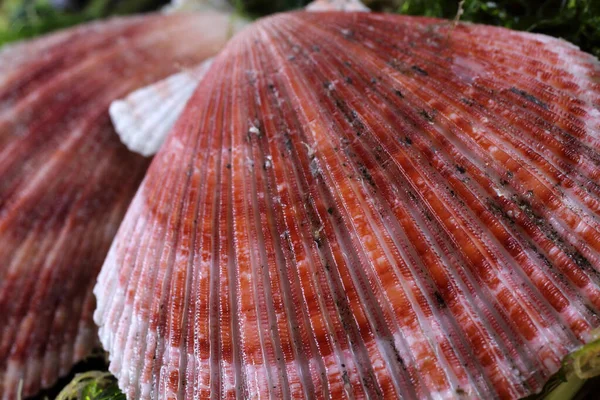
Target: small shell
x=66 y=181
x=365 y=205
x=144 y=118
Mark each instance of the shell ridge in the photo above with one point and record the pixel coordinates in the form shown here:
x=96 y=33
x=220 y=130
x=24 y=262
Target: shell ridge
x=109 y=275
x=79 y=137
x=161 y=155
x=15 y=56
x=190 y=323
x=304 y=29
x=261 y=211
x=51 y=251
x=380 y=314
x=133 y=337
x=144 y=388
x=59 y=334
x=238 y=381
x=289 y=293
x=523 y=110
x=363 y=250
x=51 y=357
x=117 y=314
x=166 y=257
x=175 y=342
x=257 y=316
x=197 y=241
x=518 y=70
x=144 y=118
x=311 y=241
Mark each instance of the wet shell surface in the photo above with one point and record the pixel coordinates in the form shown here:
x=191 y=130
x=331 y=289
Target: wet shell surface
x=145 y=117
x=66 y=180
x=364 y=205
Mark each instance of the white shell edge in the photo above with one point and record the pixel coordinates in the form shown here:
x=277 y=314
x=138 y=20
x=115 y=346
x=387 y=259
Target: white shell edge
x=144 y=118
x=337 y=5
x=197 y=5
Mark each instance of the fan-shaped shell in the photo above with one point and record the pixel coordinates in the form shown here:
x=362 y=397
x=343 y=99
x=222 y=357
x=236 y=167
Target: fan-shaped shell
x=66 y=181
x=146 y=116
x=363 y=205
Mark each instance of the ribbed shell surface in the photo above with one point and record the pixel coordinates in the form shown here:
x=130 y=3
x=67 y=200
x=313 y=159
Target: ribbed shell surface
x=365 y=206
x=66 y=180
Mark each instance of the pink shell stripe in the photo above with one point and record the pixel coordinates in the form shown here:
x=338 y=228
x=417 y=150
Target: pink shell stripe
x=358 y=205
x=66 y=180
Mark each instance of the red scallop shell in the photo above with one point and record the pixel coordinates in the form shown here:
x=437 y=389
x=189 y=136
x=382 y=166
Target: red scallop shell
x=365 y=205
x=66 y=180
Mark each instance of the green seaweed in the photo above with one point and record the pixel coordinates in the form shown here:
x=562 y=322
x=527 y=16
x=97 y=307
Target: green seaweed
x=577 y=367
x=92 y=385
x=22 y=19
x=577 y=21
x=566 y=390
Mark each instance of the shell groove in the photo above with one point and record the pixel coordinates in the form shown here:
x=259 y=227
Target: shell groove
x=364 y=205
x=66 y=180
x=145 y=117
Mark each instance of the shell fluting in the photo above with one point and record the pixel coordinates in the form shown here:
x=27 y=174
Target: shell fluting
x=66 y=180
x=146 y=116
x=362 y=205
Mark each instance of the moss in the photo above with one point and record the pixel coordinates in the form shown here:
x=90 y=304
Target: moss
x=92 y=385
x=21 y=19
x=566 y=390
x=577 y=21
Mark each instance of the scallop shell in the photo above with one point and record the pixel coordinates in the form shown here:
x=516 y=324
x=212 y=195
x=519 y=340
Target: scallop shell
x=144 y=118
x=362 y=205
x=66 y=181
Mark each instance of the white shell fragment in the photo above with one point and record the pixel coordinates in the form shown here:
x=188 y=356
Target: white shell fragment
x=337 y=5
x=144 y=118
x=198 y=5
